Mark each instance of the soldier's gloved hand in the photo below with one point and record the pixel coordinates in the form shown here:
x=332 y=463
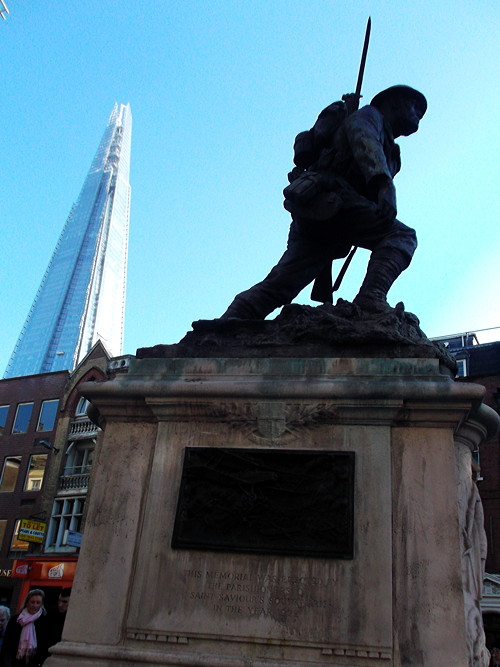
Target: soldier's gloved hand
x=386 y=201
x=352 y=102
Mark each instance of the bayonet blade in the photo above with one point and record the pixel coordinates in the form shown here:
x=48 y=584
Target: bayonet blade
x=363 y=58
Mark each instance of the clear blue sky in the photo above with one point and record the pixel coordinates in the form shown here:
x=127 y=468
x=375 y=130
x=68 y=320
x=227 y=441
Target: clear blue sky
x=218 y=91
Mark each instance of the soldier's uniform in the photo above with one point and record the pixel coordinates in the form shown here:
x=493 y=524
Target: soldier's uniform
x=363 y=155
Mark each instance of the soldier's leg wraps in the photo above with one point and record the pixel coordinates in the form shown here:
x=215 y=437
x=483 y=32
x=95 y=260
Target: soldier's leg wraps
x=388 y=260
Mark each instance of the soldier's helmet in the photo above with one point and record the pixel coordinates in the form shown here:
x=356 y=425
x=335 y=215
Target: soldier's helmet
x=404 y=91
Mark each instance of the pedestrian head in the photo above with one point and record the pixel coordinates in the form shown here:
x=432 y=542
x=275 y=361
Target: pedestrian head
x=63 y=600
x=4 y=618
x=34 y=601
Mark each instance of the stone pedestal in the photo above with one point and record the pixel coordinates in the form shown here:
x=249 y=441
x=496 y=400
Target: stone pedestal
x=403 y=595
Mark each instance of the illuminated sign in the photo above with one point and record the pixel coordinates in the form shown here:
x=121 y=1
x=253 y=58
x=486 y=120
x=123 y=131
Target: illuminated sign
x=31 y=531
x=20 y=569
x=41 y=571
x=56 y=571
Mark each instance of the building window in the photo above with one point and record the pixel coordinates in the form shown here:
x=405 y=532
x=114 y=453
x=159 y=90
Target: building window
x=23 y=416
x=79 y=458
x=462 y=368
x=66 y=515
x=17 y=544
x=10 y=472
x=48 y=413
x=3 y=526
x=36 y=471
x=4 y=411
x=476 y=465
x=81 y=408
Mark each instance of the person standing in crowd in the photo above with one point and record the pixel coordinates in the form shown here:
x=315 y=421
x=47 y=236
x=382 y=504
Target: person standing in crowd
x=56 y=618
x=4 y=619
x=24 y=643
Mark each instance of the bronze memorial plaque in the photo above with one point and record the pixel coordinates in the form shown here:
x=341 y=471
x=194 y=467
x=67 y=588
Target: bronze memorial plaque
x=289 y=502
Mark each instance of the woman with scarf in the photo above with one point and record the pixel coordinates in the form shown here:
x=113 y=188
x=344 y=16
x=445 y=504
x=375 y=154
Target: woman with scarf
x=24 y=644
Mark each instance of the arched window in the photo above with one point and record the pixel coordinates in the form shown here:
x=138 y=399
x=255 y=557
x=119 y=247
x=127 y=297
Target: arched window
x=81 y=408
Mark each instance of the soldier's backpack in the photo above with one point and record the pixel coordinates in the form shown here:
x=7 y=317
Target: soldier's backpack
x=309 y=144
x=306 y=184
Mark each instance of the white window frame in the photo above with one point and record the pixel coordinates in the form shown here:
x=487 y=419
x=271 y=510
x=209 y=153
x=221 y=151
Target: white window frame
x=86 y=449
x=81 y=408
x=66 y=515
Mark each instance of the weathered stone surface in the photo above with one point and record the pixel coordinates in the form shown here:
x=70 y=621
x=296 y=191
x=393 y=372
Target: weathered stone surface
x=407 y=597
x=306 y=331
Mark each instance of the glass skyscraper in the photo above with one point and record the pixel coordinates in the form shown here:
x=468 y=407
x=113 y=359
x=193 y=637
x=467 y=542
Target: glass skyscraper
x=82 y=295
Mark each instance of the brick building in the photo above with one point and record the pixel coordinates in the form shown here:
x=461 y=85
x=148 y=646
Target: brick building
x=480 y=363
x=48 y=443
x=29 y=413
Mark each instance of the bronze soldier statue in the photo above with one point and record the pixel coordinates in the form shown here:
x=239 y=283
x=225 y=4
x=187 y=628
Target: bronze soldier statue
x=346 y=198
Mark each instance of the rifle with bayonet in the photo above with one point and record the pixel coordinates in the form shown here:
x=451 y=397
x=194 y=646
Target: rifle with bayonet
x=322 y=289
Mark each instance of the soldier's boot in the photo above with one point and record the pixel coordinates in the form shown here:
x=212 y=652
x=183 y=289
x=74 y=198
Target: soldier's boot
x=241 y=310
x=382 y=271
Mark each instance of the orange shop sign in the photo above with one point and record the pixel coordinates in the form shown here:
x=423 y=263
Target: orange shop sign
x=44 y=570
x=31 y=531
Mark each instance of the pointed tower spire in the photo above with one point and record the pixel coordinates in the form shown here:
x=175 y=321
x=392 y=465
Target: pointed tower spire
x=81 y=298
